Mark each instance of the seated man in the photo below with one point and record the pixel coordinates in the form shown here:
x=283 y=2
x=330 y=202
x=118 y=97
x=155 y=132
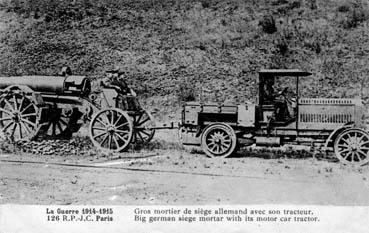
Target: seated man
x=114 y=79
x=281 y=107
x=125 y=100
x=281 y=112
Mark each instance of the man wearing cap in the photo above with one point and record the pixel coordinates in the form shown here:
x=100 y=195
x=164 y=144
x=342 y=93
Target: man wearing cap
x=114 y=79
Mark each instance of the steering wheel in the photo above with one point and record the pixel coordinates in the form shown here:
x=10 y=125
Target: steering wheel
x=287 y=95
x=283 y=92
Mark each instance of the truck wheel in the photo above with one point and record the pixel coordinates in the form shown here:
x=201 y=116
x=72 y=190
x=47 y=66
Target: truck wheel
x=218 y=140
x=111 y=130
x=352 y=147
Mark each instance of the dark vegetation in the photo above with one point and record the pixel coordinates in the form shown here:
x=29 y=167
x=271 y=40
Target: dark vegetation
x=180 y=47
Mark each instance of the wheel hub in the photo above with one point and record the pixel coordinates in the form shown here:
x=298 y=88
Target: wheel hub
x=110 y=129
x=16 y=116
x=218 y=140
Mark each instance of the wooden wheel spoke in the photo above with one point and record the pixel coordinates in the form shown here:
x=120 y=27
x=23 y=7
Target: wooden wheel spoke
x=122 y=131
x=99 y=128
x=347 y=142
x=344 y=151
x=122 y=138
x=146 y=133
x=6 y=111
x=21 y=103
x=144 y=121
x=115 y=141
x=120 y=126
x=53 y=129
x=48 y=126
x=352 y=156
x=358 y=140
x=117 y=121
x=63 y=122
x=347 y=155
x=362 y=153
x=29 y=115
x=20 y=130
x=15 y=102
x=101 y=122
x=5 y=118
x=109 y=142
x=107 y=119
x=8 y=125
x=99 y=135
x=211 y=143
x=59 y=127
x=7 y=103
x=14 y=128
x=26 y=127
x=142 y=139
x=27 y=107
x=222 y=148
x=104 y=139
x=218 y=149
x=29 y=122
x=111 y=117
x=139 y=118
x=364 y=143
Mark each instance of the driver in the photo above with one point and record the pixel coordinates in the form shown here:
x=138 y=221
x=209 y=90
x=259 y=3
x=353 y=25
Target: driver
x=281 y=106
x=281 y=112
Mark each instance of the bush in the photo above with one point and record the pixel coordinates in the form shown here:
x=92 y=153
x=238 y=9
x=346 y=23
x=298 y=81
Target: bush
x=267 y=24
x=355 y=17
x=186 y=92
x=345 y=7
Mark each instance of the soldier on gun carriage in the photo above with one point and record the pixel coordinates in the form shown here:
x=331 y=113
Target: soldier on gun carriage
x=115 y=79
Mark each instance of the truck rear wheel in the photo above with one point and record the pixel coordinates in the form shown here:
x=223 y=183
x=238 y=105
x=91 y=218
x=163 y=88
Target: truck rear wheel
x=352 y=147
x=219 y=140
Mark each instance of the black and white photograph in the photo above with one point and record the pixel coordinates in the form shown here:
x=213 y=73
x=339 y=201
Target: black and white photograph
x=184 y=103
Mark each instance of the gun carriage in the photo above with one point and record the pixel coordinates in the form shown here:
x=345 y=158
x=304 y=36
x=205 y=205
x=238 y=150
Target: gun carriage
x=336 y=124
x=53 y=107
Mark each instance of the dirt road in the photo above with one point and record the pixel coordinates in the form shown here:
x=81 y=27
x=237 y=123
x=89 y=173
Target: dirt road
x=179 y=177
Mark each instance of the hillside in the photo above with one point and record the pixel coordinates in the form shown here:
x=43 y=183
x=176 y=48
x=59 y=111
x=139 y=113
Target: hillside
x=179 y=46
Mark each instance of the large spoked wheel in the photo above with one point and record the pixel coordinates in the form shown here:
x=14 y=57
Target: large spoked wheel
x=111 y=129
x=352 y=147
x=219 y=140
x=143 y=128
x=59 y=123
x=19 y=117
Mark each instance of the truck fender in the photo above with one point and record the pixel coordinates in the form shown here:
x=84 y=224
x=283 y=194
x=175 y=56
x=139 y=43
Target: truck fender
x=335 y=133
